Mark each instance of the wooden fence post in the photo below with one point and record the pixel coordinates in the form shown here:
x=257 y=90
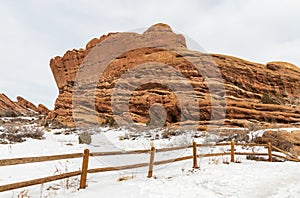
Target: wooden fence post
x=232 y=150
x=195 y=164
x=85 y=165
x=270 y=151
x=151 y=164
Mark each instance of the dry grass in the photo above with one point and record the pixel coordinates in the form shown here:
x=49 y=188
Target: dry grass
x=24 y=194
x=275 y=138
x=264 y=159
x=15 y=134
x=268 y=98
x=125 y=178
x=9 y=113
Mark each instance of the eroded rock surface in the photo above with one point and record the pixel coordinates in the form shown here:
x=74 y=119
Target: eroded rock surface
x=21 y=107
x=253 y=92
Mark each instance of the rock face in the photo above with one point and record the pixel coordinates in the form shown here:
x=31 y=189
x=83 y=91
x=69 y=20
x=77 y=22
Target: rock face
x=9 y=108
x=252 y=92
x=26 y=104
x=22 y=107
x=42 y=109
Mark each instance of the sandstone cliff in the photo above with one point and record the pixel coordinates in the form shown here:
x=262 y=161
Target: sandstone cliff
x=252 y=92
x=21 y=107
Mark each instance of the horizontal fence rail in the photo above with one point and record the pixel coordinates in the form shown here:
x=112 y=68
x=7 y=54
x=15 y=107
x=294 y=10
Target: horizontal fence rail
x=118 y=153
x=38 y=181
x=26 y=160
x=86 y=154
x=116 y=168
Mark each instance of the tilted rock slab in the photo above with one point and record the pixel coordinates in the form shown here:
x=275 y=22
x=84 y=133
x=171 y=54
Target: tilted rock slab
x=21 y=107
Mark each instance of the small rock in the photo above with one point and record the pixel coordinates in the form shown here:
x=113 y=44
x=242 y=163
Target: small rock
x=85 y=138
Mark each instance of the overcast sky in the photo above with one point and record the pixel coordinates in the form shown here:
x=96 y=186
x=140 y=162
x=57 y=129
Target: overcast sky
x=32 y=32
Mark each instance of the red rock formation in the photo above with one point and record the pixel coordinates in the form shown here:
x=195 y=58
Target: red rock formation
x=26 y=104
x=42 y=109
x=8 y=107
x=22 y=107
x=254 y=92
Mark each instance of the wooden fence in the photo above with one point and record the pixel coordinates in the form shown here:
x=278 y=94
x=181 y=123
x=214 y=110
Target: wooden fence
x=86 y=155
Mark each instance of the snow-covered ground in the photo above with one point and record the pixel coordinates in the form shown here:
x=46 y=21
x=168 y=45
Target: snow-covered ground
x=214 y=178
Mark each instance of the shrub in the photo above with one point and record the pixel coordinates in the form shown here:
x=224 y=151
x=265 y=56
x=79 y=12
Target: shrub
x=268 y=98
x=9 y=113
x=294 y=100
x=275 y=139
x=257 y=158
x=19 y=134
x=168 y=133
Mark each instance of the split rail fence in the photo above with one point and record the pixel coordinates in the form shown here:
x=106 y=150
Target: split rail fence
x=86 y=155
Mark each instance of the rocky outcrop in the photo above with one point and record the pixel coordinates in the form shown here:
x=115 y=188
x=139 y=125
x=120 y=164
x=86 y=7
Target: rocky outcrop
x=42 y=109
x=26 y=104
x=253 y=92
x=8 y=107
x=21 y=107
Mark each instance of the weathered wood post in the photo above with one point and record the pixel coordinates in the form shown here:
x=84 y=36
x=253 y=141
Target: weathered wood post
x=232 y=150
x=195 y=164
x=151 y=163
x=85 y=164
x=270 y=152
